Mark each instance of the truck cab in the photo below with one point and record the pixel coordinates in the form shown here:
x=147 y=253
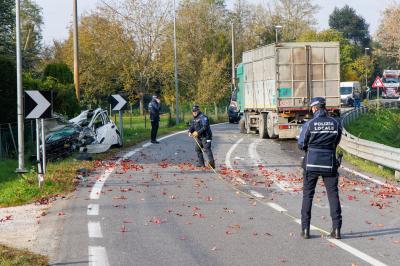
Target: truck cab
x=391 y=83
x=347 y=90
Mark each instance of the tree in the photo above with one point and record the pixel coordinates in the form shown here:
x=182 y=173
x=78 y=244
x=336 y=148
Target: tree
x=388 y=35
x=8 y=90
x=7 y=25
x=296 y=16
x=60 y=72
x=353 y=26
x=104 y=51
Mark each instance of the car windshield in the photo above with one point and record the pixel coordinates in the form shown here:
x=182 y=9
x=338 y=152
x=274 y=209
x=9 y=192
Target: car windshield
x=391 y=80
x=346 y=90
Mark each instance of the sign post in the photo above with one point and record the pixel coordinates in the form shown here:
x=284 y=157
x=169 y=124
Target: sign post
x=38 y=106
x=377 y=85
x=119 y=103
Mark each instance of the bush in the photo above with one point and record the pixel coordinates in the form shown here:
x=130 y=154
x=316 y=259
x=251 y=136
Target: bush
x=8 y=90
x=58 y=71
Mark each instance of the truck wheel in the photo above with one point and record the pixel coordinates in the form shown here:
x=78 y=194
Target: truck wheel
x=242 y=125
x=271 y=126
x=262 y=126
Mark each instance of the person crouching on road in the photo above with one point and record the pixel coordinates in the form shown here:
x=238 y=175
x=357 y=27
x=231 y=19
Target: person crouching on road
x=319 y=138
x=200 y=130
x=154 y=109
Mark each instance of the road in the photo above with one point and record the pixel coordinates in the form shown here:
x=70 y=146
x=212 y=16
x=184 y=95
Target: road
x=151 y=206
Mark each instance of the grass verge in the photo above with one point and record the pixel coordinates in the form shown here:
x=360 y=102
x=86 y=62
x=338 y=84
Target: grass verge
x=368 y=166
x=11 y=256
x=378 y=125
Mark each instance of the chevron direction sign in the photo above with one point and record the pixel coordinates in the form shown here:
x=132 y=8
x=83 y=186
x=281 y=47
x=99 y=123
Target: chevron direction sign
x=37 y=104
x=118 y=102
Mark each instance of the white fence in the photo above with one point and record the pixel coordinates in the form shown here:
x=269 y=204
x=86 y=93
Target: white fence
x=372 y=151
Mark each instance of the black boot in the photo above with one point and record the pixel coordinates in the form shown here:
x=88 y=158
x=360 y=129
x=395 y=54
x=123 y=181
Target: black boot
x=335 y=233
x=305 y=233
x=212 y=164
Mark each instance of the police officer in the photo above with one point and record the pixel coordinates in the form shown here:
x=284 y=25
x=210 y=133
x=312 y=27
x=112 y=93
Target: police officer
x=154 y=109
x=319 y=138
x=201 y=131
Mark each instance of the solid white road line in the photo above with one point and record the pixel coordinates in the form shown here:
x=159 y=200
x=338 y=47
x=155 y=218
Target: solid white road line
x=376 y=181
x=256 y=194
x=347 y=247
x=356 y=252
x=98 y=256
x=229 y=153
x=98 y=186
x=93 y=209
x=94 y=230
x=276 y=207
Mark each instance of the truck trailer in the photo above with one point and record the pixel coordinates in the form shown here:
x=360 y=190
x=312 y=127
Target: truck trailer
x=275 y=83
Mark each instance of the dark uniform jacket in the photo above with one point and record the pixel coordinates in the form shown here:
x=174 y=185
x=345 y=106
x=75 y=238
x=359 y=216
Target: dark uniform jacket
x=154 y=109
x=201 y=124
x=319 y=138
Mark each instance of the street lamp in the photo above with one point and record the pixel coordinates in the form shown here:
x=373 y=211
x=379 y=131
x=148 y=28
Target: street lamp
x=277 y=28
x=366 y=70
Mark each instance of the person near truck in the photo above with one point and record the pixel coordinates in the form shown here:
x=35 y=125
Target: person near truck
x=154 y=109
x=357 y=99
x=319 y=138
x=200 y=130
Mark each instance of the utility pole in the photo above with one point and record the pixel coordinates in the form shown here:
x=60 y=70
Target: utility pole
x=76 y=51
x=176 y=71
x=20 y=92
x=233 y=57
x=366 y=67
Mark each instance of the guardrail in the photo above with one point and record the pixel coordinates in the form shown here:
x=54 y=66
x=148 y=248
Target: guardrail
x=378 y=153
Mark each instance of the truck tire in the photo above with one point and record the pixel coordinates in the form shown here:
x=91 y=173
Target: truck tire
x=271 y=126
x=242 y=125
x=262 y=126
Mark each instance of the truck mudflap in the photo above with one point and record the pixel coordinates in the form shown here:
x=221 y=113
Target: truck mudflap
x=289 y=130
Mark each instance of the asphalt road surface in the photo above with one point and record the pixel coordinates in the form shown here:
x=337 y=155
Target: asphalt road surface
x=151 y=206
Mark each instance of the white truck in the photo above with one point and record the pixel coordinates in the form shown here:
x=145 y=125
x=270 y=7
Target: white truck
x=391 y=83
x=347 y=90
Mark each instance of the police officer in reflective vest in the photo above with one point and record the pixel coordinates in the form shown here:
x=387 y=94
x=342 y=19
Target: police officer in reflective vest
x=201 y=131
x=319 y=138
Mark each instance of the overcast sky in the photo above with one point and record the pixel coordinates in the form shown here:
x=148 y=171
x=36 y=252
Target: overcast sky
x=57 y=14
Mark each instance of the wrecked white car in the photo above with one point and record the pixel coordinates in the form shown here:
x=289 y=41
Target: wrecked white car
x=92 y=132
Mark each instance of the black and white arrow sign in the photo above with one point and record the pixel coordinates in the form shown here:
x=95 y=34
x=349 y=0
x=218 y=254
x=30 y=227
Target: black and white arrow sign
x=37 y=104
x=118 y=102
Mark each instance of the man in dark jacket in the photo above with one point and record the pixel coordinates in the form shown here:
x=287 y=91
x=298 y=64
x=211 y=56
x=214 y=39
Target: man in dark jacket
x=154 y=109
x=201 y=131
x=319 y=138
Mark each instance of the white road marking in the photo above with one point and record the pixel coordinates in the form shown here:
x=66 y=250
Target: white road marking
x=147 y=144
x=239 y=158
x=93 y=209
x=254 y=156
x=276 y=207
x=376 y=181
x=241 y=181
x=356 y=252
x=98 y=186
x=256 y=194
x=131 y=153
x=98 y=256
x=229 y=153
x=94 y=230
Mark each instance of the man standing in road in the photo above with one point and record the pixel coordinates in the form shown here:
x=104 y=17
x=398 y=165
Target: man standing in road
x=357 y=99
x=319 y=138
x=200 y=130
x=154 y=109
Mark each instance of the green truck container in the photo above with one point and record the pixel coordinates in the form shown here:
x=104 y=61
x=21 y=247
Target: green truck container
x=274 y=85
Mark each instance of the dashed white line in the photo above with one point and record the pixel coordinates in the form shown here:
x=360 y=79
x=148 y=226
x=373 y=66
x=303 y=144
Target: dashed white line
x=98 y=186
x=256 y=194
x=93 y=209
x=98 y=256
x=94 y=230
x=229 y=153
x=276 y=207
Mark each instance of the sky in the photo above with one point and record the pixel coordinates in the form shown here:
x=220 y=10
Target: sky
x=57 y=14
